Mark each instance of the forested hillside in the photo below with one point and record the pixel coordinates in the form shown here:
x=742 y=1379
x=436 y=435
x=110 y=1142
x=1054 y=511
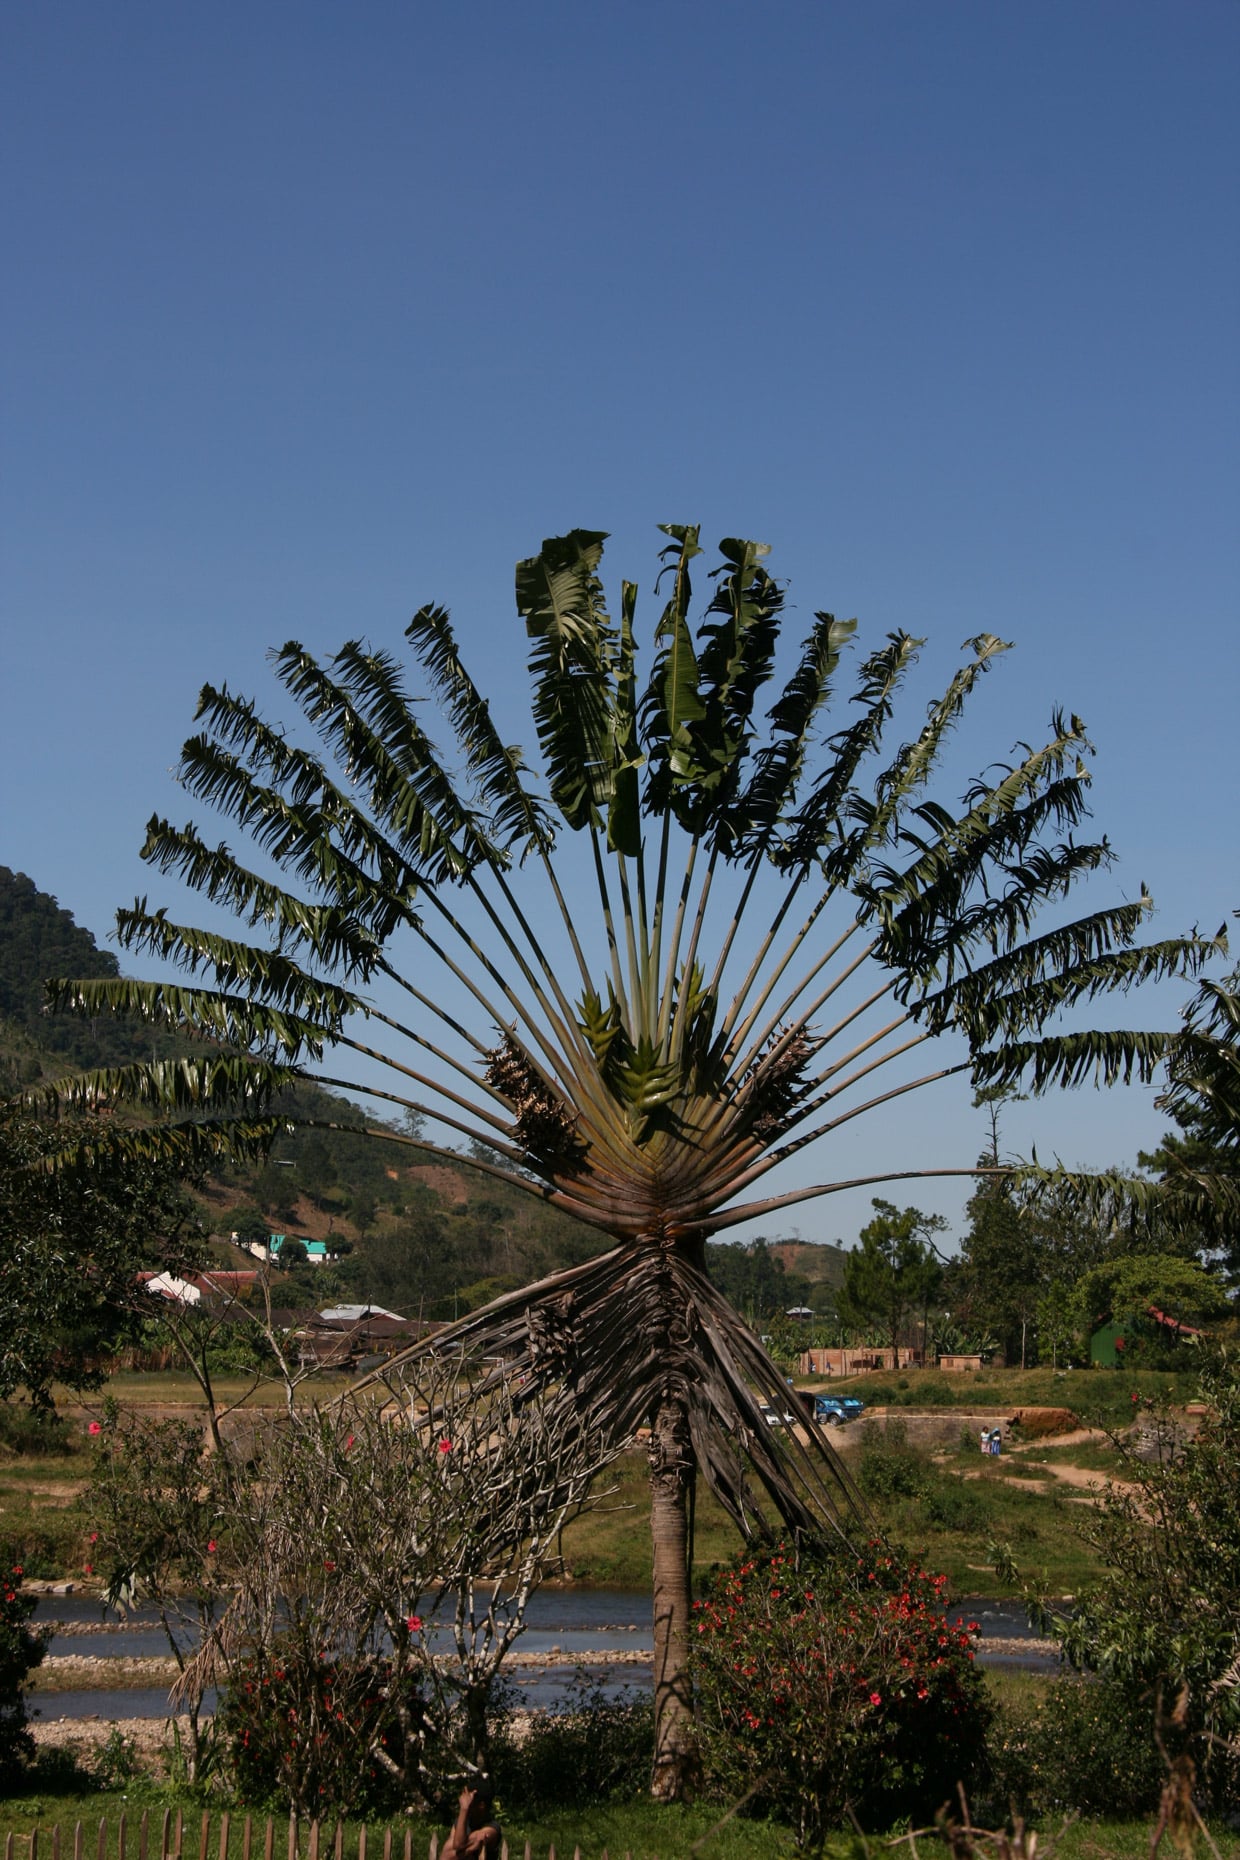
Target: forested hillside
x=410 y=1232
x=37 y=940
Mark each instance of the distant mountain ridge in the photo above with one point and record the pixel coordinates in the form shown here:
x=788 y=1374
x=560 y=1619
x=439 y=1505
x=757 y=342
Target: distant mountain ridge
x=39 y=941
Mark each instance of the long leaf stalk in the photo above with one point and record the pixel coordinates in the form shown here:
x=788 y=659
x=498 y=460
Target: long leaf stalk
x=609 y=927
x=660 y=1030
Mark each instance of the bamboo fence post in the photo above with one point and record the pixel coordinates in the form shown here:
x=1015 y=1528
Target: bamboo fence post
x=143 y=1828
x=8 y=1846
x=77 y=1842
x=361 y=1842
x=121 y=1831
x=34 y=1844
x=338 y=1840
x=102 y=1843
x=204 y=1836
x=408 y=1844
x=387 y=1842
x=314 y=1839
x=292 y=1834
x=432 y=1852
x=164 y=1824
x=179 y=1835
x=56 y=1842
x=269 y=1840
x=528 y=1854
x=551 y=1851
x=247 y=1835
x=225 y=1826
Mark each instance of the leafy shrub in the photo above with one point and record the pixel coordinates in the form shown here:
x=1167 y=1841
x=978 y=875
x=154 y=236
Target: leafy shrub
x=32 y=1431
x=824 y=1682
x=314 y=1731
x=889 y=1467
x=117 y=1761
x=1085 y=1745
x=954 y=1506
x=597 y=1748
x=21 y=1650
x=1162 y=1618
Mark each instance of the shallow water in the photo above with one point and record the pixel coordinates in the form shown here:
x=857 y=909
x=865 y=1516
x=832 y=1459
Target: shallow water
x=574 y=1622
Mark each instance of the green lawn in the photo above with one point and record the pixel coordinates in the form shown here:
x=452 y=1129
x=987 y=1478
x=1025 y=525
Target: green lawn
x=642 y=1829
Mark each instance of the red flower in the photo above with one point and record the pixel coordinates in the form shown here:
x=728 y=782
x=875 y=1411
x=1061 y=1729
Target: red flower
x=414 y=1624
x=94 y=1428
x=211 y=1546
x=89 y=1571
x=445 y=1446
x=876 y=1698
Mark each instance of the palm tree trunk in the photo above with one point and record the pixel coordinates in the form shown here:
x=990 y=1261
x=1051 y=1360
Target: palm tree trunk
x=672 y=1474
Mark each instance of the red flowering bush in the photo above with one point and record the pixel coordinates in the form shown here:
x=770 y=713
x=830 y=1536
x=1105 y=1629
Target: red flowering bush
x=21 y=1650
x=322 y=1733
x=823 y=1681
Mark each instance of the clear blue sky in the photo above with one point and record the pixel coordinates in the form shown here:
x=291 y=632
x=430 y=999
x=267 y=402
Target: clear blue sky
x=313 y=313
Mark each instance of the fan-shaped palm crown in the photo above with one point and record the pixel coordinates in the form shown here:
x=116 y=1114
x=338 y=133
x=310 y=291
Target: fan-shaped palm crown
x=651 y=1091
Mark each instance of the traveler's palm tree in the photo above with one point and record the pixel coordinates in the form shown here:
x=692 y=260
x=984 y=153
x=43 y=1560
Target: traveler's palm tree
x=650 y=1076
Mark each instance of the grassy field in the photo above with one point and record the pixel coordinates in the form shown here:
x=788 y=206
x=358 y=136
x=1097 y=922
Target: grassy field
x=1095 y=1395
x=950 y=1512
x=643 y=1829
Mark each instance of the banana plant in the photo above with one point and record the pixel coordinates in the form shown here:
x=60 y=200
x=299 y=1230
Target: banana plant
x=789 y=932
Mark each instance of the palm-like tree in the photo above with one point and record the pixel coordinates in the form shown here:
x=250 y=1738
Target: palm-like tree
x=651 y=1079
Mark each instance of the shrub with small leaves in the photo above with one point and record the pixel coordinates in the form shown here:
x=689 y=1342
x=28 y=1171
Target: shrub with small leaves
x=825 y=1682
x=1161 y=1624
x=593 y=1748
x=889 y=1466
x=1084 y=1746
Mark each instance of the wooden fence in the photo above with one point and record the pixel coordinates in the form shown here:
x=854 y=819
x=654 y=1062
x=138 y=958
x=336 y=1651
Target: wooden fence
x=166 y=1837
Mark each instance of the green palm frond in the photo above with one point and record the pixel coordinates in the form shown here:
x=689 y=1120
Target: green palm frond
x=517 y=815
x=573 y=667
x=1067 y=1060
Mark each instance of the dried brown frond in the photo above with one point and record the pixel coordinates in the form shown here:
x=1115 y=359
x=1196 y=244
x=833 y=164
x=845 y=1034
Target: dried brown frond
x=544 y=1124
x=775 y=1083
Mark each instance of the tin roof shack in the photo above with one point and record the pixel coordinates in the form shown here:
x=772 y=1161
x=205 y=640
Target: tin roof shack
x=355 y=1338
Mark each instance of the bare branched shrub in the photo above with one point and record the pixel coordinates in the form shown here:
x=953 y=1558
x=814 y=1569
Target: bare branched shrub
x=384 y=1553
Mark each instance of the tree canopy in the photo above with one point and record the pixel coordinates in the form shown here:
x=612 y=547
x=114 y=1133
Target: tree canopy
x=72 y=1242
x=894 y=1274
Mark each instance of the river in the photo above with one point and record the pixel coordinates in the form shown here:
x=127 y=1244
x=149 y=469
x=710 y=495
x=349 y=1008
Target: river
x=603 y=1633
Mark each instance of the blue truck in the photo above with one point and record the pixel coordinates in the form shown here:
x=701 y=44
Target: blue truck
x=835 y=1410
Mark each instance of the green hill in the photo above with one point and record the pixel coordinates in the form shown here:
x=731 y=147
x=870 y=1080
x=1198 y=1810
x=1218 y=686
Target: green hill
x=414 y=1233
